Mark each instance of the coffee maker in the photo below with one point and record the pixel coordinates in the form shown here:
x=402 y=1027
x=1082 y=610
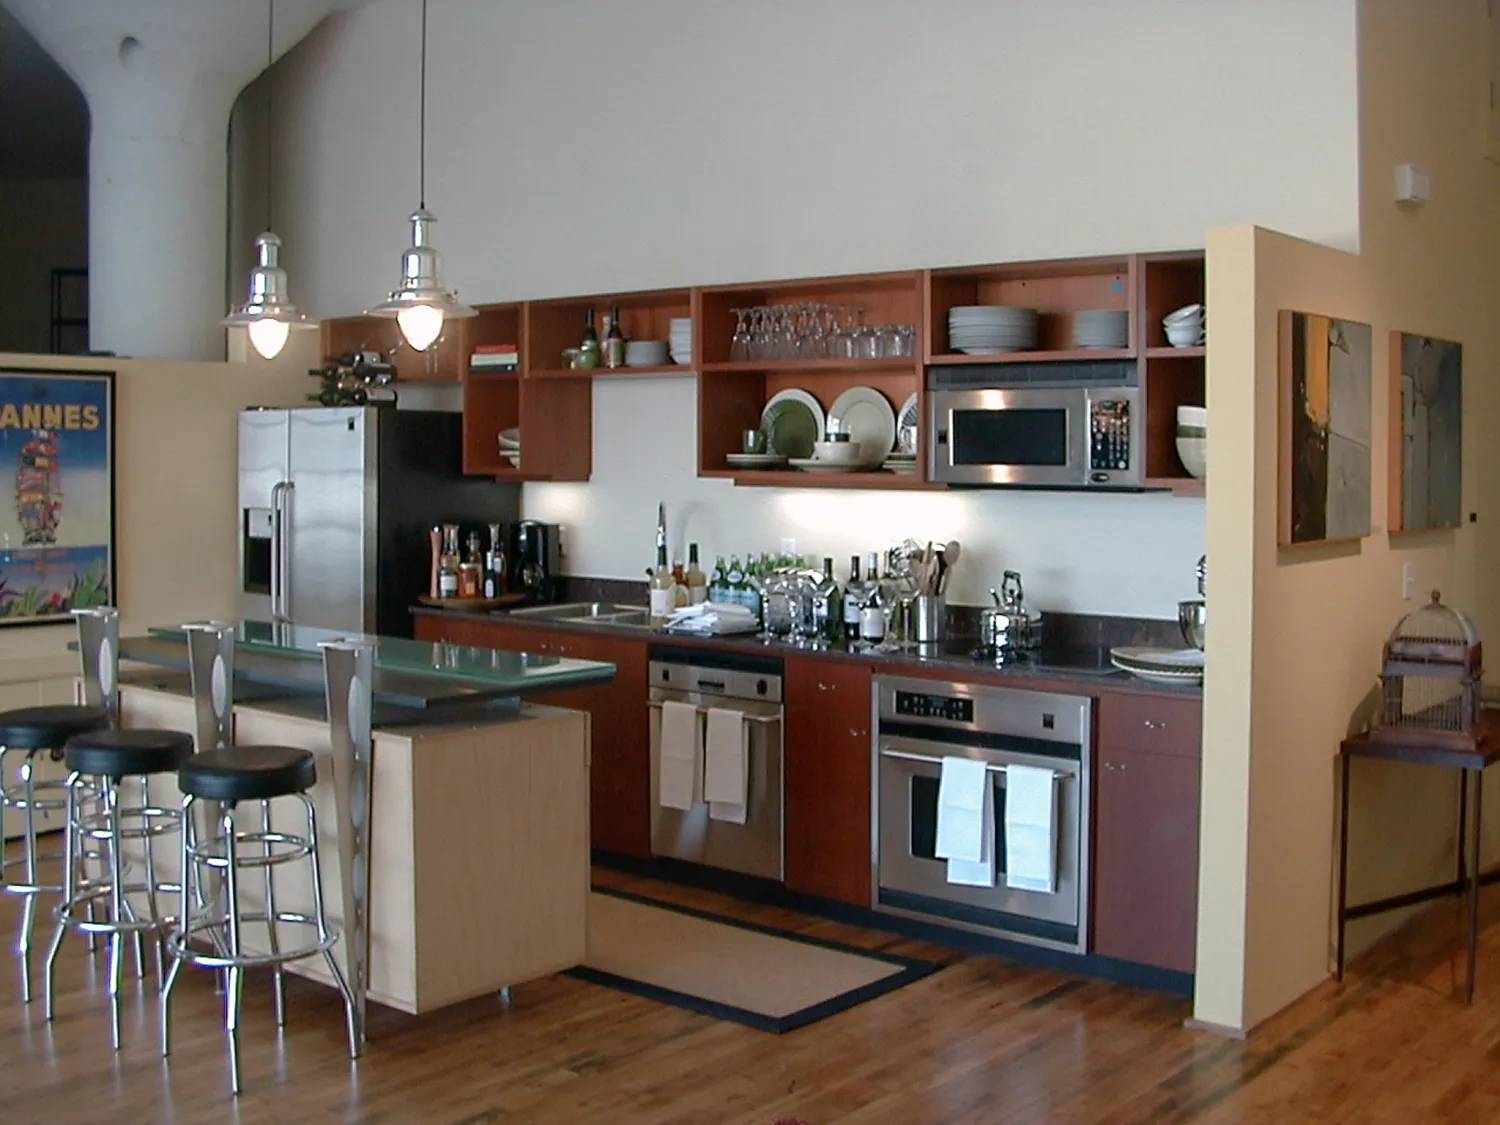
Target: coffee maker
x=535 y=560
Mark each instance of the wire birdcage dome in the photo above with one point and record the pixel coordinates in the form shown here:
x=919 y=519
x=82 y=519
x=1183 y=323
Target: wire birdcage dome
x=1436 y=624
x=1430 y=679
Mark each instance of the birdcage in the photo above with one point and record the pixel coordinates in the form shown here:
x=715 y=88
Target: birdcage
x=1429 y=682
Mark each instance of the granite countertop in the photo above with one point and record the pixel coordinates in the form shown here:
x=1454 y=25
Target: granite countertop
x=1081 y=663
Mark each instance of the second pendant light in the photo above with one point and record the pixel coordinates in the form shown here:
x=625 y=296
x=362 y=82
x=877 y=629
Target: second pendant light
x=421 y=303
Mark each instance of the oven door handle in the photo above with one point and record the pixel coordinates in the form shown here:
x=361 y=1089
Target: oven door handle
x=749 y=718
x=1057 y=775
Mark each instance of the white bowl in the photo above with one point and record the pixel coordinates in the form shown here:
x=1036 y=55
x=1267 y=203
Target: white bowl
x=1185 y=335
x=1187 y=312
x=511 y=438
x=514 y=459
x=1194 y=455
x=645 y=353
x=1192 y=416
x=838 y=452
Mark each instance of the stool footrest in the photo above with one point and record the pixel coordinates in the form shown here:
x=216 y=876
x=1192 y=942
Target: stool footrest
x=178 y=941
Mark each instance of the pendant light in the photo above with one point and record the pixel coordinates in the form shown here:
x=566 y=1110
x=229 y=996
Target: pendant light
x=421 y=304
x=267 y=314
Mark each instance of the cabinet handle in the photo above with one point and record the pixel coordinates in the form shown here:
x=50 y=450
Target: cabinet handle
x=824 y=687
x=856 y=732
x=1151 y=725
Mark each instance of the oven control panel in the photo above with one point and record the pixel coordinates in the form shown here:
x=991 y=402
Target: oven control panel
x=1109 y=435
x=926 y=705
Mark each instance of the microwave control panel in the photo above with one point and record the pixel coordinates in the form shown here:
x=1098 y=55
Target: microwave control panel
x=1109 y=435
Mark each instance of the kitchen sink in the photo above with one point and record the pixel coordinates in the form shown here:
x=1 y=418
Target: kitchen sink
x=604 y=613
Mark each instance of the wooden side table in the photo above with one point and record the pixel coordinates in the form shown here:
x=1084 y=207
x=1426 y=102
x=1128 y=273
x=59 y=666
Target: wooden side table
x=1469 y=879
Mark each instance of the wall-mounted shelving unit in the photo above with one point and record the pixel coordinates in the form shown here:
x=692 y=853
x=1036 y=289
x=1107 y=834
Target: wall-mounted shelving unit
x=552 y=405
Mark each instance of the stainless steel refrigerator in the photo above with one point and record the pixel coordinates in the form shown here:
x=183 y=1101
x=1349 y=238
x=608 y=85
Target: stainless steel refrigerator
x=335 y=504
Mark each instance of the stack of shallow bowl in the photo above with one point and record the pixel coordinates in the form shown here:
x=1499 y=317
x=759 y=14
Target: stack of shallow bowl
x=991 y=329
x=681 y=340
x=645 y=353
x=1192 y=439
x=903 y=463
x=1185 y=326
x=1101 y=328
x=510 y=446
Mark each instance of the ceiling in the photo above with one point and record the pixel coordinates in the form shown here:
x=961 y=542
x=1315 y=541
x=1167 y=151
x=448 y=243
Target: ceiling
x=44 y=120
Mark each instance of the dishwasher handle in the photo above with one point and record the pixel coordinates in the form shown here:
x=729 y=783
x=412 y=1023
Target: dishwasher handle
x=927 y=759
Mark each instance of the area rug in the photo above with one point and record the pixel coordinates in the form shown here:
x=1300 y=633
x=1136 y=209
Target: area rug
x=761 y=977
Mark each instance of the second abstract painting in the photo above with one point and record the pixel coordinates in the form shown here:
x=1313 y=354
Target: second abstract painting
x=1426 y=433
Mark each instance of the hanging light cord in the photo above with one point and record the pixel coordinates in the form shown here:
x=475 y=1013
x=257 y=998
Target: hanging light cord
x=422 y=127
x=270 y=84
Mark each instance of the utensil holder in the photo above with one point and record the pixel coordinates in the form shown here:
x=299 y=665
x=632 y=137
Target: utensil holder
x=927 y=618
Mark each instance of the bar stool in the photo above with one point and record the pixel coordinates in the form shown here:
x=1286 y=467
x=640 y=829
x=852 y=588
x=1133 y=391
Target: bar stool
x=29 y=731
x=98 y=764
x=224 y=777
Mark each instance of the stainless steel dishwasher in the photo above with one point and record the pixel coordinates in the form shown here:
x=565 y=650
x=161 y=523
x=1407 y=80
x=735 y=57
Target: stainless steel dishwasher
x=748 y=683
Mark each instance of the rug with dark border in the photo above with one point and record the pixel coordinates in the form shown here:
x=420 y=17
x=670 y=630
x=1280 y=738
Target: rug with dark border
x=692 y=955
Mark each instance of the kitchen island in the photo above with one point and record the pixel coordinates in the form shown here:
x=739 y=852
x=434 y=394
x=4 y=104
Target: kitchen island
x=478 y=803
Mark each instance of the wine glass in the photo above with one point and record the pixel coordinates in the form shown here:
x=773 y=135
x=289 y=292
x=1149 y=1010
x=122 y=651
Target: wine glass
x=739 y=345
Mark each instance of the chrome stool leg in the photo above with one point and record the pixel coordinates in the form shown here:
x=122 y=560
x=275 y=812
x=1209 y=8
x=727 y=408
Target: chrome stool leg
x=232 y=992
x=28 y=907
x=185 y=880
x=326 y=938
x=273 y=943
x=71 y=856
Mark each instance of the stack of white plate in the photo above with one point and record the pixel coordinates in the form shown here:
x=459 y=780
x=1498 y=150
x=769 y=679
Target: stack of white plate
x=1162 y=665
x=903 y=463
x=510 y=446
x=991 y=329
x=1101 y=328
x=681 y=339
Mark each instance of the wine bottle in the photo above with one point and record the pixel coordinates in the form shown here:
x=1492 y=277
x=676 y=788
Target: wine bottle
x=697 y=584
x=614 y=341
x=872 y=609
x=494 y=565
x=828 y=606
x=589 y=347
x=734 y=581
x=854 y=593
x=718 y=586
x=448 y=564
x=661 y=588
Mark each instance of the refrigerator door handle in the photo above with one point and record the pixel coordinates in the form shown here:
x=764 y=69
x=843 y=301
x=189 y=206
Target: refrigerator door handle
x=280 y=550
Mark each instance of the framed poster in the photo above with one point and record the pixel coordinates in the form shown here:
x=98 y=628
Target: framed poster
x=1323 y=432
x=1426 y=451
x=57 y=525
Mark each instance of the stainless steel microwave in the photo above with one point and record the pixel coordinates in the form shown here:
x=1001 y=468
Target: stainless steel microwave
x=1073 y=426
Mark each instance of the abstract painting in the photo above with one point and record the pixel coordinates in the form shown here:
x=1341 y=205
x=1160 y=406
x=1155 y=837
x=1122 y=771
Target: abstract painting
x=57 y=538
x=1324 y=432
x=1426 y=433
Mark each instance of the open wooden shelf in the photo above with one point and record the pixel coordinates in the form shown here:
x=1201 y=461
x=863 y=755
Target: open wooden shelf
x=1072 y=355
x=553 y=325
x=1171 y=281
x=441 y=363
x=795 y=478
x=1169 y=352
x=610 y=372
x=818 y=366
x=1179 y=486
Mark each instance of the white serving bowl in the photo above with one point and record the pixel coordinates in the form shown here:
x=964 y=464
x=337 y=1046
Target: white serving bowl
x=1186 y=334
x=511 y=438
x=1194 y=455
x=1192 y=416
x=838 y=452
x=1187 y=312
x=645 y=353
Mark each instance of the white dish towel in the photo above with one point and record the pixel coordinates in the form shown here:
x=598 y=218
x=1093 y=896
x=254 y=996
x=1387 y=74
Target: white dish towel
x=1030 y=829
x=726 y=765
x=680 y=773
x=966 y=822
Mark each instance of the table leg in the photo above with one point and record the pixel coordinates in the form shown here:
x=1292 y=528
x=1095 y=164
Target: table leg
x=1463 y=838
x=1474 y=883
x=1344 y=858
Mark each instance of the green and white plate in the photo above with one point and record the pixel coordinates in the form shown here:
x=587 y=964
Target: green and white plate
x=792 y=422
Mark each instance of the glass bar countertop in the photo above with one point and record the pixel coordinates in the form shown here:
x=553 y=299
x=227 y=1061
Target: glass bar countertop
x=408 y=673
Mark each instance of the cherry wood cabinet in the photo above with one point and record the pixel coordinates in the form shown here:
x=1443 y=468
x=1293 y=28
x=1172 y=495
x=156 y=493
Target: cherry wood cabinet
x=827 y=777
x=620 y=775
x=1146 y=813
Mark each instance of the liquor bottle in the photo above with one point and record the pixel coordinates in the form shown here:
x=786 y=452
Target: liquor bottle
x=828 y=606
x=872 y=609
x=697 y=584
x=854 y=593
x=589 y=346
x=468 y=570
x=679 y=585
x=448 y=564
x=494 y=565
x=614 y=341
x=661 y=588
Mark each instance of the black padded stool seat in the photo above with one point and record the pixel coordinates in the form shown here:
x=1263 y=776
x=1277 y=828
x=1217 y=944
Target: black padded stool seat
x=47 y=728
x=127 y=753
x=247 y=773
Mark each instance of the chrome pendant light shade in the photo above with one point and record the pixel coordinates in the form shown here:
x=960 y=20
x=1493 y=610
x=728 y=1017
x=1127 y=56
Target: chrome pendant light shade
x=421 y=303
x=268 y=315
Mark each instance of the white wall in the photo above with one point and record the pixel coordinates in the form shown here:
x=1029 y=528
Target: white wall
x=584 y=146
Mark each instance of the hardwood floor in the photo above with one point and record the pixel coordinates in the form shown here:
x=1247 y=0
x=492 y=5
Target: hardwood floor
x=983 y=1042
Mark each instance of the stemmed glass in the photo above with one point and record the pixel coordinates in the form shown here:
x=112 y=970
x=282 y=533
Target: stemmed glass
x=740 y=344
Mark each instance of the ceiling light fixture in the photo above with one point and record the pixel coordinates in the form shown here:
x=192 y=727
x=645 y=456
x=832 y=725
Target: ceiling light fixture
x=268 y=315
x=421 y=304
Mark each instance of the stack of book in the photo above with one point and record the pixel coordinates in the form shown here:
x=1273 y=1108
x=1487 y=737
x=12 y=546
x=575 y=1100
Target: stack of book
x=494 y=357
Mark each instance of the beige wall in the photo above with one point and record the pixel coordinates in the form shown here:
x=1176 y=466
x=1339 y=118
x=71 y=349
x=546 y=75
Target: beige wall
x=175 y=474
x=1298 y=632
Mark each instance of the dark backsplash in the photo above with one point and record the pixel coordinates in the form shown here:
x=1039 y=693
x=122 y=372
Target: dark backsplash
x=1059 y=630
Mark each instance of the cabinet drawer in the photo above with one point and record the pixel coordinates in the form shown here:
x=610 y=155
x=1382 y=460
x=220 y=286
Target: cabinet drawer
x=1157 y=724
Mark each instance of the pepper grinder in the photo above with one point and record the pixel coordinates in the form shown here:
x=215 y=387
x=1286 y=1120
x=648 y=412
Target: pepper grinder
x=435 y=539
